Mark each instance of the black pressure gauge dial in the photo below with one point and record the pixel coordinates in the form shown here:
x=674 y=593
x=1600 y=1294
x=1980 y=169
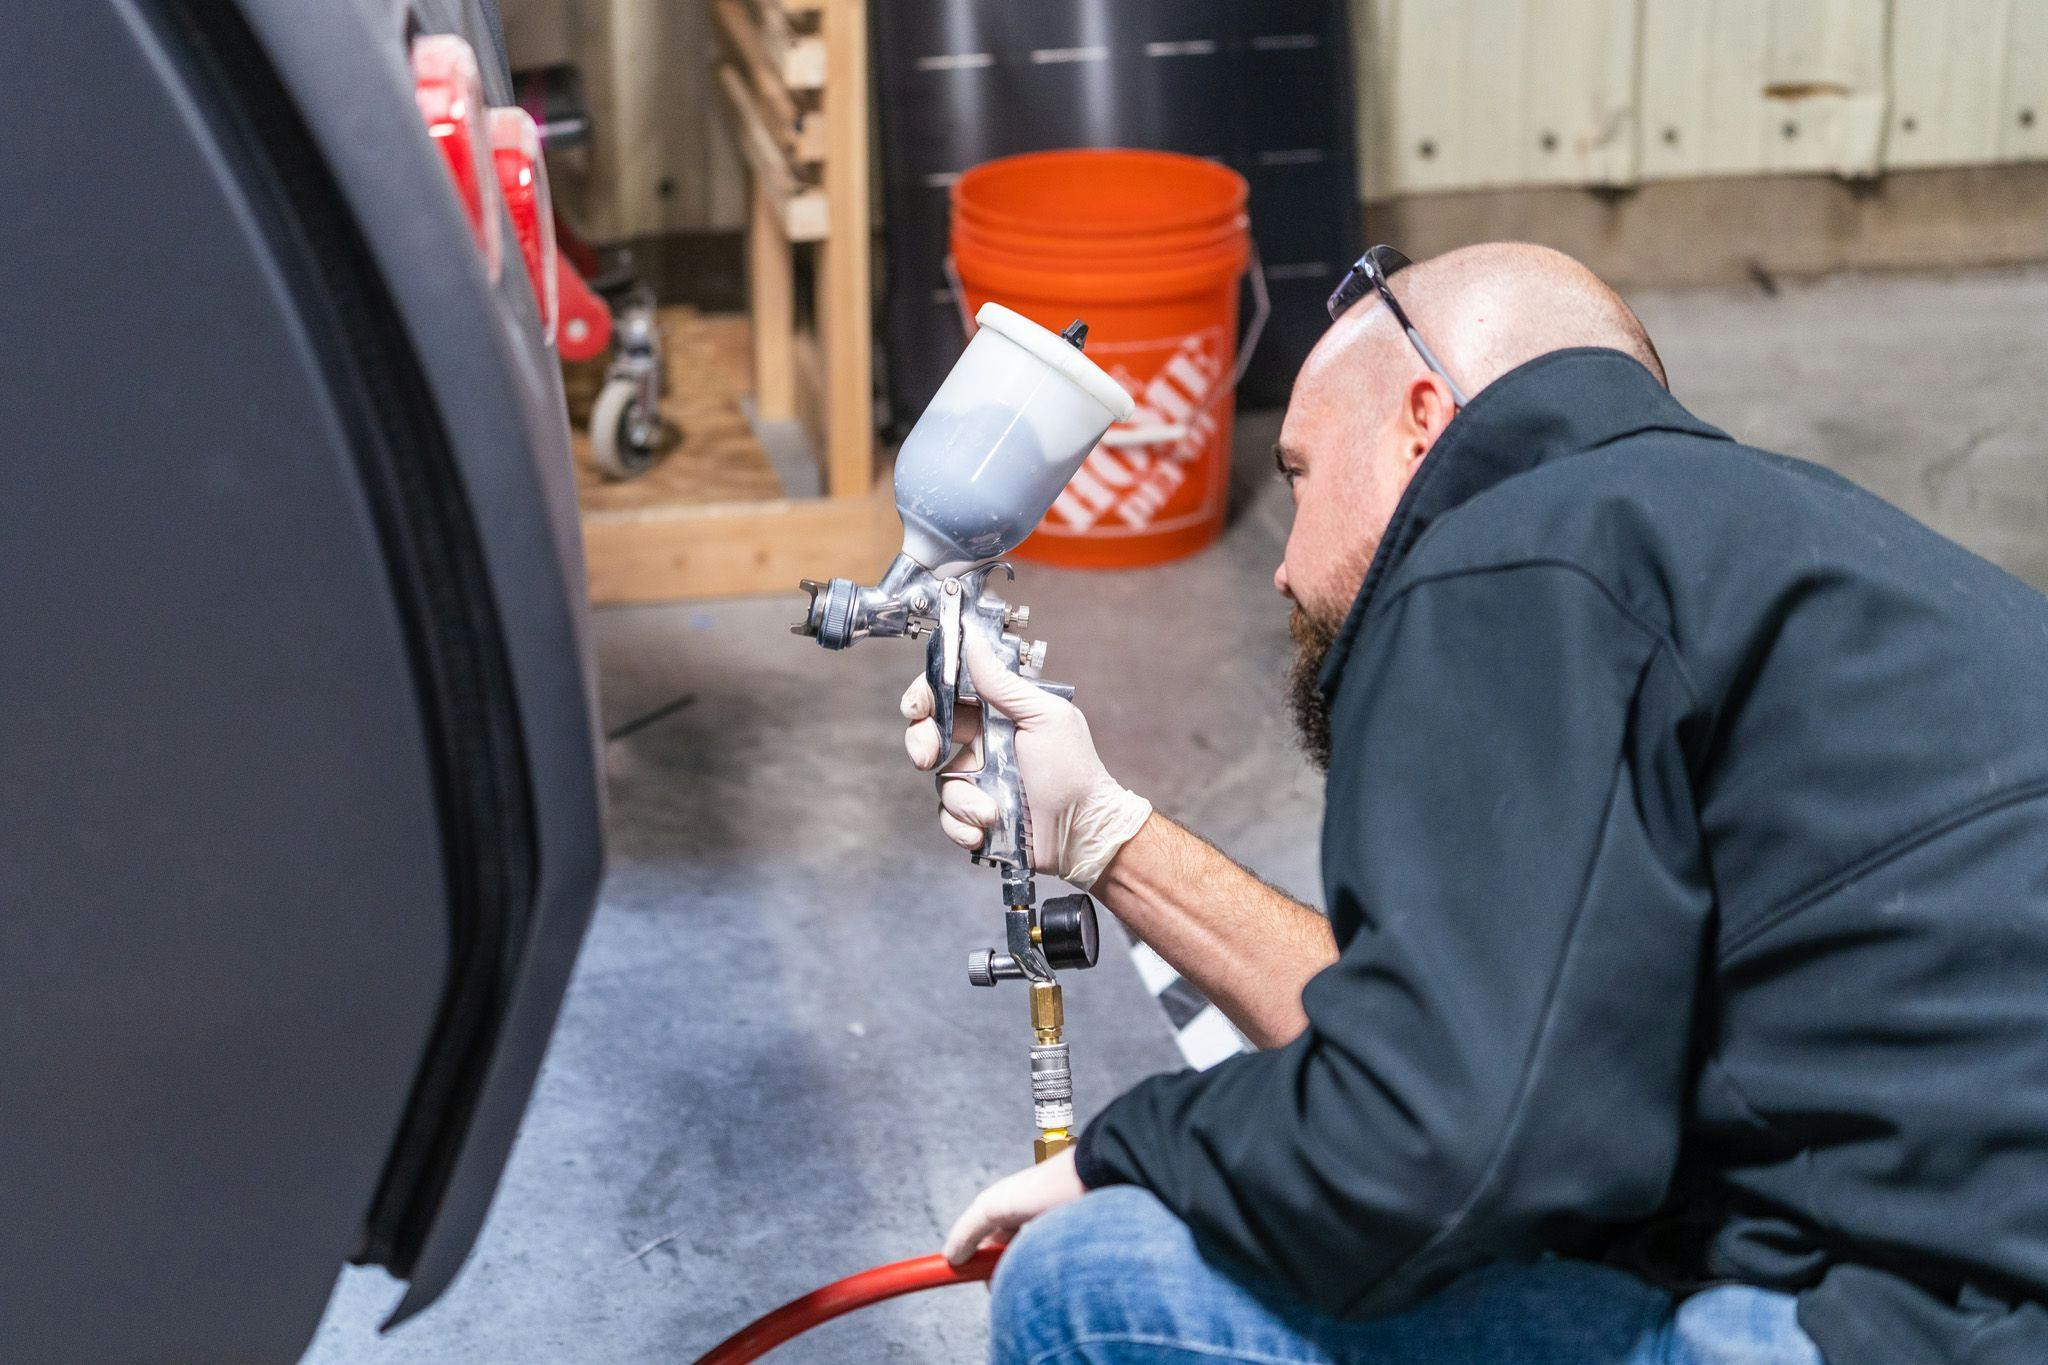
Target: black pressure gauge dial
x=1067 y=932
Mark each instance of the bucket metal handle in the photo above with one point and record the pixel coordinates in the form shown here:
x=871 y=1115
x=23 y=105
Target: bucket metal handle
x=1160 y=433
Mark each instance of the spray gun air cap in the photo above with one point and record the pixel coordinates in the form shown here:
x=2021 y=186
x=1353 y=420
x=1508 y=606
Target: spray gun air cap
x=1020 y=410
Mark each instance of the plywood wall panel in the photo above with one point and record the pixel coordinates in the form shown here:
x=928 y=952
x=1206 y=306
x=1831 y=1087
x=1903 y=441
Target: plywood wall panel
x=1948 y=69
x=1970 y=82
x=1374 y=28
x=1748 y=87
x=1694 y=52
x=1580 y=121
x=659 y=159
x=1463 y=94
x=2023 y=127
x=1824 y=86
x=1424 y=127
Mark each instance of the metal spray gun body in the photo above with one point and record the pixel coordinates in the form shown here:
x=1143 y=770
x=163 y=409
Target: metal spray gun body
x=913 y=601
x=1000 y=440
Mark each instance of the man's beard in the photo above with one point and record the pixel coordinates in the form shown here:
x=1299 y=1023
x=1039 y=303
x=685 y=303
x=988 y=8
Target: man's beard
x=1312 y=641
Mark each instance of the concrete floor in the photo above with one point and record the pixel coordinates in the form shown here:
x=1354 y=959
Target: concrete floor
x=771 y=1071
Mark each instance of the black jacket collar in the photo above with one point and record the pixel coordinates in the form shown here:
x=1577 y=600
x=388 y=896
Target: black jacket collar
x=1559 y=404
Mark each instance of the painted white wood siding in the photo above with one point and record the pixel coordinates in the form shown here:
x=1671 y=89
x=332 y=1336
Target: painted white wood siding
x=1969 y=82
x=1481 y=94
x=1497 y=92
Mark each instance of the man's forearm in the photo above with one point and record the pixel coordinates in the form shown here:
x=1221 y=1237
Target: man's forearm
x=1245 y=945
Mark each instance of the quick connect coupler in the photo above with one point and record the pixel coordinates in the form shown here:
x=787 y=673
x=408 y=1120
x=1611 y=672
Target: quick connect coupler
x=1052 y=1079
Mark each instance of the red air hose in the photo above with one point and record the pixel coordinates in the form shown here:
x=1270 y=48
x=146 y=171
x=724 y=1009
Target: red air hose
x=798 y=1316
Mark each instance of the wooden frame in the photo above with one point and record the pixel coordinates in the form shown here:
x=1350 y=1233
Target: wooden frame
x=774 y=43
x=807 y=155
x=800 y=131
x=799 y=208
x=795 y=83
x=736 y=549
x=845 y=303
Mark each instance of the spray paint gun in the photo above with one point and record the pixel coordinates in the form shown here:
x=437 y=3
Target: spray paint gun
x=1013 y=421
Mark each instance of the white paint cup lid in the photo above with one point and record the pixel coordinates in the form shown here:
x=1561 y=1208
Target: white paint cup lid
x=1061 y=355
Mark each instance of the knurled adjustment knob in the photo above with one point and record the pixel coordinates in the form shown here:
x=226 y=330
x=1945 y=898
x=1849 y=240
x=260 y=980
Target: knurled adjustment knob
x=1032 y=656
x=1067 y=932
x=835 y=624
x=981 y=968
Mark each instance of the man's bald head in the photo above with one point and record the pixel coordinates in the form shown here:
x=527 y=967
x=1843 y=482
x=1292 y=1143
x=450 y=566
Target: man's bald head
x=1485 y=310
x=1366 y=407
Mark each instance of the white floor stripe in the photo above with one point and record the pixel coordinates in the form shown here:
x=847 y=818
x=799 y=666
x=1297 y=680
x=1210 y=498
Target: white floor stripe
x=1208 y=1039
x=1152 y=969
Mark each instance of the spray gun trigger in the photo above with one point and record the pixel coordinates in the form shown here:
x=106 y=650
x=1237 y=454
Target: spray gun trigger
x=942 y=662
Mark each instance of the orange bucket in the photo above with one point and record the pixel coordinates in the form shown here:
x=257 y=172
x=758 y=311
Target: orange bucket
x=1150 y=248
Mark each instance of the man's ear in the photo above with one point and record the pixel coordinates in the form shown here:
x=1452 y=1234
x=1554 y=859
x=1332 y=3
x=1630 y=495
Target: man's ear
x=1426 y=409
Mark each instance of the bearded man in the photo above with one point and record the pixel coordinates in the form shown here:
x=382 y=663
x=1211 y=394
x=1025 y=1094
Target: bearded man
x=1684 y=991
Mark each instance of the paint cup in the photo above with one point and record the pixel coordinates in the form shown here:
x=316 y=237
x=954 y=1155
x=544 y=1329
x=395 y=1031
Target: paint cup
x=1018 y=413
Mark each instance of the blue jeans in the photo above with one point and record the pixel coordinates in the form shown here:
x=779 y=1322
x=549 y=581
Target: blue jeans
x=1115 y=1279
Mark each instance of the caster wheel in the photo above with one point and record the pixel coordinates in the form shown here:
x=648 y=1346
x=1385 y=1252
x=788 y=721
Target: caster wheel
x=614 y=420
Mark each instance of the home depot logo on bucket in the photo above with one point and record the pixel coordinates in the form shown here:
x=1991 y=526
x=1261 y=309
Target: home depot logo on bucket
x=1168 y=485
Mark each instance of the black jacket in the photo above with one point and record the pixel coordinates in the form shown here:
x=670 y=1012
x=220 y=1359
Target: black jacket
x=1687 y=849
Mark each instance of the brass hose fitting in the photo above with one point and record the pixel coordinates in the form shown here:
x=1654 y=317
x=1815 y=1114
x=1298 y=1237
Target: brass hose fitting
x=1048 y=1011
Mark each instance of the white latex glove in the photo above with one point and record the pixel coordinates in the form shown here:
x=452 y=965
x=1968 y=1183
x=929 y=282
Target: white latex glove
x=1012 y=1202
x=1080 y=816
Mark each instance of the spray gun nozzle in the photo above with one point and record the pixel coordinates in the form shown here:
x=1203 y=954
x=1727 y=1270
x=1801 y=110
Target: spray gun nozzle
x=809 y=625
x=835 y=616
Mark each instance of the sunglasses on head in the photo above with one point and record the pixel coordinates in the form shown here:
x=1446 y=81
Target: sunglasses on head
x=1370 y=275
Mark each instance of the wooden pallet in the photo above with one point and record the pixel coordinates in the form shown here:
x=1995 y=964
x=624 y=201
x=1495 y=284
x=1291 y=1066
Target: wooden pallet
x=711 y=520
